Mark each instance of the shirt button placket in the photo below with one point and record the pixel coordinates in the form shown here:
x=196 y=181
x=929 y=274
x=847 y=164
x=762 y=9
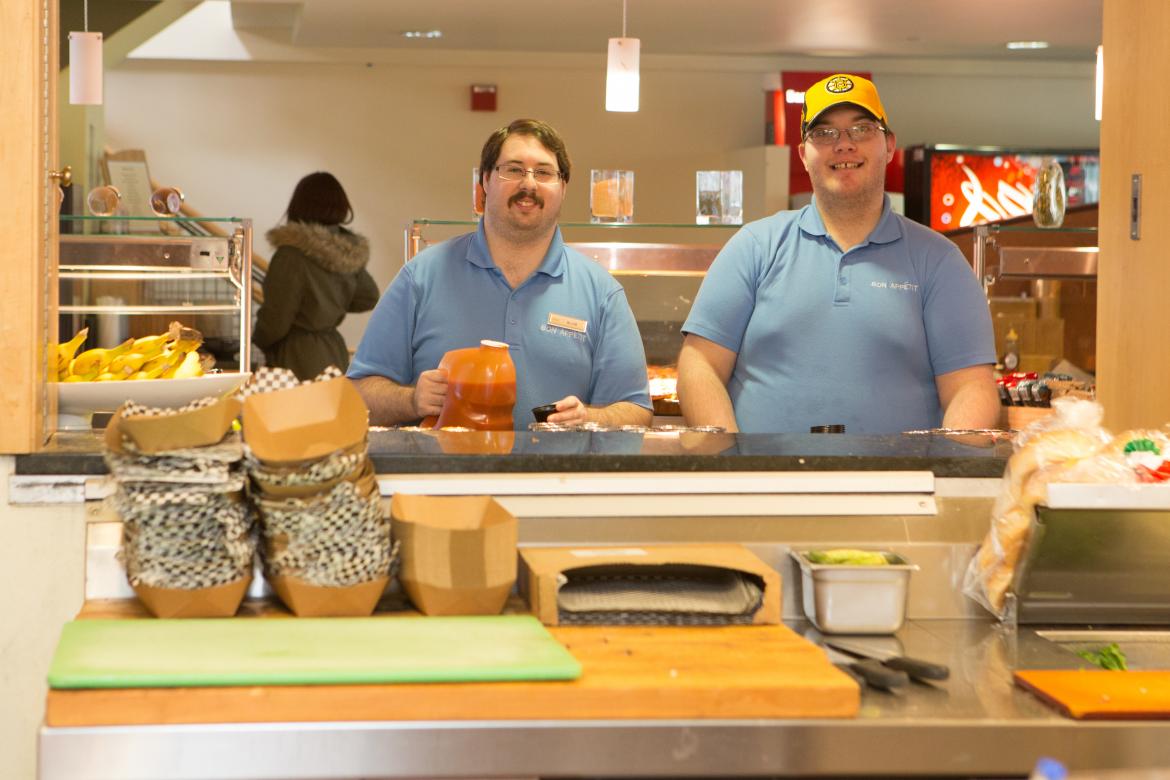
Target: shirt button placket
x=511 y=320
x=842 y=286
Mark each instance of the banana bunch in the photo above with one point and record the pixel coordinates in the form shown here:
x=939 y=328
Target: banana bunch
x=170 y=355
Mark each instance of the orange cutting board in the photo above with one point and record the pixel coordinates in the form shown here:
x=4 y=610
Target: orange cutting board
x=1093 y=695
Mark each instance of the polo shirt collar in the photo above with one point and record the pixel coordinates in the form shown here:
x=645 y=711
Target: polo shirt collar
x=887 y=230
x=553 y=263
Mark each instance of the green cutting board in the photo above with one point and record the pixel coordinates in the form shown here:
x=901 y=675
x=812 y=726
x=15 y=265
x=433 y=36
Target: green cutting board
x=306 y=651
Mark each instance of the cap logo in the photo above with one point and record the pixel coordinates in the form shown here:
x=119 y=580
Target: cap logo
x=839 y=84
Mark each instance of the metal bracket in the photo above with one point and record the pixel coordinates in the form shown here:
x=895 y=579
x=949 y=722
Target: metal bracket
x=1135 y=207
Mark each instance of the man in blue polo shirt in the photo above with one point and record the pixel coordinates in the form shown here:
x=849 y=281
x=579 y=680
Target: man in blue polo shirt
x=841 y=312
x=567 y=323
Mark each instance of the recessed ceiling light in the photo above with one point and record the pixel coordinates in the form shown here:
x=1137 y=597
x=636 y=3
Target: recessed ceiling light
x=1027 y=44
x=423 y=34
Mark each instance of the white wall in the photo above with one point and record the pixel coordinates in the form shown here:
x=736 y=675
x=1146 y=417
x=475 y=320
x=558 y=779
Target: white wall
x=236 y=136
x=42 y=579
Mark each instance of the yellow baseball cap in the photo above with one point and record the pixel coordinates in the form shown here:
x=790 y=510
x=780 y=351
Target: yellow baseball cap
x=837 y=89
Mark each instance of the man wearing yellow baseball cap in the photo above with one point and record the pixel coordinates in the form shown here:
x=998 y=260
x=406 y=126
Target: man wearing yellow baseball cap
x=841 y=312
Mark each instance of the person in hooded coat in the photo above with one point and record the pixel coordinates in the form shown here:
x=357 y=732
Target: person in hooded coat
x=316 y=277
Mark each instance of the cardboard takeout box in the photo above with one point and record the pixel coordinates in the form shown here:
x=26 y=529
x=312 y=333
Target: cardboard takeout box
x=458 y=553
x=544 y=570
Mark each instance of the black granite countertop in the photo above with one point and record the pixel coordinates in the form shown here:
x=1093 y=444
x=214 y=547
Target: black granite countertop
x=414 y=452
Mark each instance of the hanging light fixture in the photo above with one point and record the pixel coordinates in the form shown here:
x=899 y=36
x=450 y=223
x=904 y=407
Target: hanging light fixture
x=1099 y=84
x=621 y=72
x=85 y=65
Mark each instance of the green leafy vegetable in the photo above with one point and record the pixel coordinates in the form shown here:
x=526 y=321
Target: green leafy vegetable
x=1108 y=657
x=1142 y=445
x=846 y=557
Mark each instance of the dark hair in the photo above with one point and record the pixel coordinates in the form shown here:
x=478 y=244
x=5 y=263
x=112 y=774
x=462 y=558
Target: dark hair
x=548 y=137
x=319 y=198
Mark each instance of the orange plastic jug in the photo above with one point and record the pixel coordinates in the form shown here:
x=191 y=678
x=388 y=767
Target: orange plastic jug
x=481 y=387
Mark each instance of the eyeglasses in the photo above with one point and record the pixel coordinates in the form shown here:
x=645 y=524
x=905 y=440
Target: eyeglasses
x=827 y=136
x=520 y=173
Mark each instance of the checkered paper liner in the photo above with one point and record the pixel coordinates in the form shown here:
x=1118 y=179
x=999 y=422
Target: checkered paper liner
x=682 y=596
x=335 y=540
x=229 y=449
x=135 y=409
x=132 y=495
x=649 y=618
x=268 y=379
x=212 y=465
x=187 y=544
x=329 y=468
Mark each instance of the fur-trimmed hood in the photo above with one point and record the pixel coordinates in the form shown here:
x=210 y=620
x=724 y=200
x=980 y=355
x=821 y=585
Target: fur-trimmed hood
x=334 y=249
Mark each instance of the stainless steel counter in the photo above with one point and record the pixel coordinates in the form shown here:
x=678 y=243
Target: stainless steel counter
x=974 y=724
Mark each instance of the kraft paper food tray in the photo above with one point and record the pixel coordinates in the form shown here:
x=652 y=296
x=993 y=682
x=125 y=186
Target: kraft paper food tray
x=217 y=601
x=158 y=433
x=304 y=422
x=458 y=553
x=542 y=568
x=307 y=600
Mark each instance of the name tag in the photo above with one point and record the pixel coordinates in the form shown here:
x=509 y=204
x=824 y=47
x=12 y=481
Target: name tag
x=568 y=323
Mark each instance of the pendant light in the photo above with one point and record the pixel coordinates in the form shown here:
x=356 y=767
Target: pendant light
x=1099 y=84
x=85 y=65
x=621 y=72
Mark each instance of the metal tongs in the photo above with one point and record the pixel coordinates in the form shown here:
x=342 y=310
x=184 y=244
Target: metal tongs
x=882 y=669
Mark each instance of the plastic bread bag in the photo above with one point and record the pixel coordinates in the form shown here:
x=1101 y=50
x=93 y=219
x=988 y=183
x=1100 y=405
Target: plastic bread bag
x=1052 y=449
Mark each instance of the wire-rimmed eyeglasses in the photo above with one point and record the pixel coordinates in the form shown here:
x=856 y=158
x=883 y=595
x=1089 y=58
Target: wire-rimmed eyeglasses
x=858 y=133
x=513 y=172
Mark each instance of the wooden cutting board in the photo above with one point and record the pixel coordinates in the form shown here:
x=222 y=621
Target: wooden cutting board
x=1092 y=694
x=306 y=651
x=627 y=672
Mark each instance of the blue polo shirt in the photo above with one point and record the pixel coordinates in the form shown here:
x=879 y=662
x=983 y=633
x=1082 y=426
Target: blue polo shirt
x=568 y=327
x=856 y=338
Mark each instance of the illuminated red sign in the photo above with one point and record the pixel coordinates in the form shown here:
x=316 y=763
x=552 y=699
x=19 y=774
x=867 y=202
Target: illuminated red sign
x=969 y=188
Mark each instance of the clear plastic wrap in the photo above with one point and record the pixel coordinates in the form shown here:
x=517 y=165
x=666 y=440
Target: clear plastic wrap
x=1056 y=448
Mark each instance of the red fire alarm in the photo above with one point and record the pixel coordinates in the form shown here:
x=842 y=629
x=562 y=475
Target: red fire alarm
x=483 y=97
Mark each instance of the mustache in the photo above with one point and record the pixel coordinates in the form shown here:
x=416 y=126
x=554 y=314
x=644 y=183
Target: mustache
x=533 y=194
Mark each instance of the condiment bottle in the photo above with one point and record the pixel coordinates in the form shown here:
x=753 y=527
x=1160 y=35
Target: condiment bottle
x=1011 y=351
x=481 y=387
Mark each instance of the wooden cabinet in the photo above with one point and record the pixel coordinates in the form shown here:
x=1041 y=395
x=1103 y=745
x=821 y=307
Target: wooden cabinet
x=1133 y=359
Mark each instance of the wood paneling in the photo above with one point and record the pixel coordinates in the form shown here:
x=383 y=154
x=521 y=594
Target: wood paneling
x=1133 y=362
x=27 y=141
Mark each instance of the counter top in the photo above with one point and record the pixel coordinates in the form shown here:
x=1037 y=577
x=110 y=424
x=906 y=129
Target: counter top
x=975 y=723
x=400 y=451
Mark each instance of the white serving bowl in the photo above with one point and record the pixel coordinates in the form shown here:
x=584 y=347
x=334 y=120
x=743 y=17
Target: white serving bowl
x=77 y=401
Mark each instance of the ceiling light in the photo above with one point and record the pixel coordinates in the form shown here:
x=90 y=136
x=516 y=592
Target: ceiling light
x=85 y=65
x=428 y=34
x=1015 y=45
x=621 y=71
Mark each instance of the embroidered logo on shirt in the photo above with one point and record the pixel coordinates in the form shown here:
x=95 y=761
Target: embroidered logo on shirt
x=568 y=334
x=568 y=323
x=908 y=286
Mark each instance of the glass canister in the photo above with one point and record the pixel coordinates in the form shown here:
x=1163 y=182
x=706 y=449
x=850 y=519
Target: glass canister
x=611 y=196
x=481 y=387
x=478 y=195
x=719 y=197
x=1051 y=197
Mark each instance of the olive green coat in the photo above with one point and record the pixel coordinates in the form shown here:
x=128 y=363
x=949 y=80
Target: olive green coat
x=317 y=275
